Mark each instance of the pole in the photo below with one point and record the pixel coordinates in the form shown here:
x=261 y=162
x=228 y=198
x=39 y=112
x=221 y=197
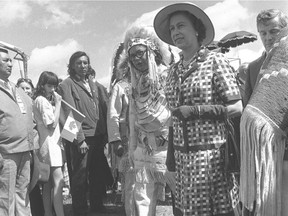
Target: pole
x=71 y=107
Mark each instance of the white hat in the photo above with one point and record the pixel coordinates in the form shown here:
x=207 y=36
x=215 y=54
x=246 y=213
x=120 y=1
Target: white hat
x=161 y=21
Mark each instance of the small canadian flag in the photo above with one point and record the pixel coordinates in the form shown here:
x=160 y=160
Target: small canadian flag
x=72 y=124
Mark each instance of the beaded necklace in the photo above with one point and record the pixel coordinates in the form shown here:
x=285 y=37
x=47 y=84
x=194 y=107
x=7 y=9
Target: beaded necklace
x=186 y=63
x=182 y=71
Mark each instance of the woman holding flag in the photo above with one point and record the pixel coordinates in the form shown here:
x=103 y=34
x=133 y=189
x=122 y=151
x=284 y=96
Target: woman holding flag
x=47 y=111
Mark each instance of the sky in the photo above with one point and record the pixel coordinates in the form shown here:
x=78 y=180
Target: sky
x=50 y=31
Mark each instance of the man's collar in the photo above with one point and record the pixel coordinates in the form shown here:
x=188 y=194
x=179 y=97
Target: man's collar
x=77 y=78
x=6 y=85
x=4 y=82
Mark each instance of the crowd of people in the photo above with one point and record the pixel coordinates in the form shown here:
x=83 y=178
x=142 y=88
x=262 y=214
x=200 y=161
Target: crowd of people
x=168 y=123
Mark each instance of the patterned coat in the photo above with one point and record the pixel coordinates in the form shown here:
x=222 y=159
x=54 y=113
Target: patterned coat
x=208 y=80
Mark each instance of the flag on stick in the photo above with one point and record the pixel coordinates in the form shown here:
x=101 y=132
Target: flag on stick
x=72 y=124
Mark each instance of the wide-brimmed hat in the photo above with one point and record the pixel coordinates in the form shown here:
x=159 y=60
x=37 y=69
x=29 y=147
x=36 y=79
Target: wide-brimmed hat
x=161 y=21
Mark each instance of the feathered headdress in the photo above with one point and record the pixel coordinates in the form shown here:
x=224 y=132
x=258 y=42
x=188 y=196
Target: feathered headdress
x=158 y=55
x=118 y=67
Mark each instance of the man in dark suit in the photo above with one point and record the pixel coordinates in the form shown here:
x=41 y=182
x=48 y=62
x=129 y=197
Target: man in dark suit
x=87 y=165
x=253 y=70
x=269 y=24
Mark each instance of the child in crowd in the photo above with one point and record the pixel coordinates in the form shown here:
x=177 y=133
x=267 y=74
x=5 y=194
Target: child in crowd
x=26 y=85
x=47 y=111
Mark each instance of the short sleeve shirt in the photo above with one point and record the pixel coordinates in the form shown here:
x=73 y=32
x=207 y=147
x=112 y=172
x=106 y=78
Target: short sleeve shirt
x=46 y=110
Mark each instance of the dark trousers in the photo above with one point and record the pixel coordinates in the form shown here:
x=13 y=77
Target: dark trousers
x=35 y=197
x=88 y=172
x=36 y=203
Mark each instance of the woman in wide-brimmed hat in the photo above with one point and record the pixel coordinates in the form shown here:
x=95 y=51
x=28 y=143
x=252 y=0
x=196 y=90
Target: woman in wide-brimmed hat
x=202 y=93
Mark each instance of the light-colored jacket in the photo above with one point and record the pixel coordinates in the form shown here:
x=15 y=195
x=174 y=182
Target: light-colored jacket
x=16 y=127
x=117 y=115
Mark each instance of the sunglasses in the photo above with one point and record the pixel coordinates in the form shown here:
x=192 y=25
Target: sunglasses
x=139 y=54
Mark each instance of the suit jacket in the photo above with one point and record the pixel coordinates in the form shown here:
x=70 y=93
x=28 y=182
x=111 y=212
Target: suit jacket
x=93 y=106
x=251 y=77
x=16 y=121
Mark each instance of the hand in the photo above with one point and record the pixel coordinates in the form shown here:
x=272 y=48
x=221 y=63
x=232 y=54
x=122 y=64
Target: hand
x=83 y=148
x=118 y=148
x=170 y=178
x=57 y=97
x=184 y=112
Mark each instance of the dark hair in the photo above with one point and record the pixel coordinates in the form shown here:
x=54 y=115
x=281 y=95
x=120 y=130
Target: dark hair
x=197 y=24
x=266 y=15
x=91 y=72
x=72 y=60
x=46 y=77
x=21 y=80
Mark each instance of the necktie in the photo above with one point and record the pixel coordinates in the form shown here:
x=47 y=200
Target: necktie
x=7 y=86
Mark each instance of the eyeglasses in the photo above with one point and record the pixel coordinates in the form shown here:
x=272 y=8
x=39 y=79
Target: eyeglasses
x=139 y=54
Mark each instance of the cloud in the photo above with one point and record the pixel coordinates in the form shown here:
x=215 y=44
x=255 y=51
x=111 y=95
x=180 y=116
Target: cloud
x=58 y=17
x=229 y=20
x=52 y=58
x=123 y=23
x=228 y=16
x=146 y=18
x=12 y=11
x=57 y=14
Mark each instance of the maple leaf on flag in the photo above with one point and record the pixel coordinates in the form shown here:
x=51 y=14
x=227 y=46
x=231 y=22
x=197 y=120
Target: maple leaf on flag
x=72 y=124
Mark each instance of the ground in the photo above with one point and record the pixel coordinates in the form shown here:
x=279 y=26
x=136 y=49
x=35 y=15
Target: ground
x=113 y=200
x=114 y=207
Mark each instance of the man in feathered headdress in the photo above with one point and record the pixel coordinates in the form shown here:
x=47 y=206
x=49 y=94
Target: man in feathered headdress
x=149 y=116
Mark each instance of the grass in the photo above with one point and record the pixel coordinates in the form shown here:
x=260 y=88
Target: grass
x=115 y=207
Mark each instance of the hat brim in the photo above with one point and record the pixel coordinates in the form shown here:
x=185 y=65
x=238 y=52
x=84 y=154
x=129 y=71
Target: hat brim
x=161 y=21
